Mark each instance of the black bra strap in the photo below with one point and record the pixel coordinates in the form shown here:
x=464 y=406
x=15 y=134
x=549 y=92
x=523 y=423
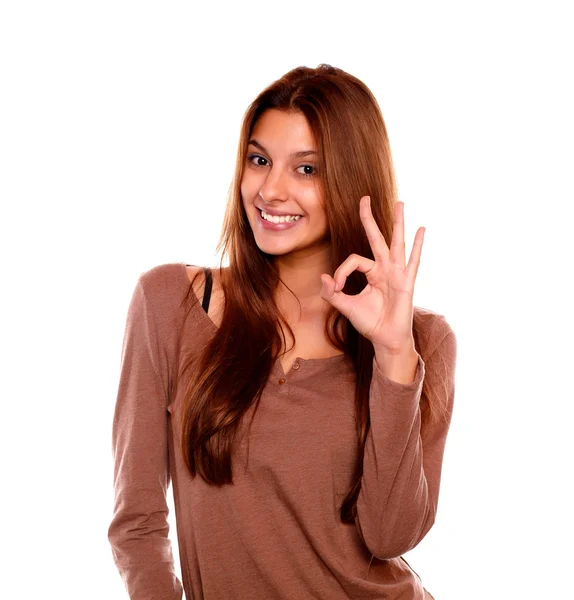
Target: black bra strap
x=207 y=290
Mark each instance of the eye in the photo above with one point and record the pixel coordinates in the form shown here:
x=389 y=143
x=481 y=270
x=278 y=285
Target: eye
x=251 y=156
x=308 y=167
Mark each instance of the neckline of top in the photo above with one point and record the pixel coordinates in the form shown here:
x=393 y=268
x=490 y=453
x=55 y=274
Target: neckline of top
x=336 y=358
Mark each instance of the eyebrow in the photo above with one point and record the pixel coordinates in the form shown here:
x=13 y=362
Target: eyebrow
x=294 y=154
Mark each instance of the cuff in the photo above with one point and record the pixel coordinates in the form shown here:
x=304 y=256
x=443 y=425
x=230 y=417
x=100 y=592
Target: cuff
x=394 y=387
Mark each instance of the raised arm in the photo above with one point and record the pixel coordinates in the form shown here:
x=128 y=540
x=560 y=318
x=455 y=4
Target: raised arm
x=138 y=532
x=398 y=500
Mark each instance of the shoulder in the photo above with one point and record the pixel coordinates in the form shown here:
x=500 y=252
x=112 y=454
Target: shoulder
x=172 y=280
x=163 y=289
x=174 y=286
x=164 y=277
x=432 y=330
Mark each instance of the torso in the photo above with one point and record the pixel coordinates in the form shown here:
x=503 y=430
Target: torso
x=310 y=340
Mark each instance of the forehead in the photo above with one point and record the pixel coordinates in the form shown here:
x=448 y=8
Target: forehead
x=282 y=131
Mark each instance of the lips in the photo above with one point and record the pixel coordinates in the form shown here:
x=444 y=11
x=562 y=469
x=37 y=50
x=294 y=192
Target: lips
x=269 y=225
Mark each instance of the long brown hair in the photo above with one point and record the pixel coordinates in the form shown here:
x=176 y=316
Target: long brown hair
x=354 y=160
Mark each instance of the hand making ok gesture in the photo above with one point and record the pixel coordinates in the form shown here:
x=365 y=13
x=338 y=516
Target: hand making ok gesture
x=383 y=311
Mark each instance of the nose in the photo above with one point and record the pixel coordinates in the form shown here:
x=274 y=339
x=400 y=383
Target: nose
x=274 y=187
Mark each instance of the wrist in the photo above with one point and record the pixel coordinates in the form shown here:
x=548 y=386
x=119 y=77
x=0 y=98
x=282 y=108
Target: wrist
x=400 y=367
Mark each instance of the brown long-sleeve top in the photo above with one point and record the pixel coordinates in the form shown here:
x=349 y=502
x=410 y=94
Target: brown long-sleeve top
x=276 y=532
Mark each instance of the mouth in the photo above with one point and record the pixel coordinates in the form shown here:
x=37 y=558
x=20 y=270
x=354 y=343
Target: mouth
x=280 y=225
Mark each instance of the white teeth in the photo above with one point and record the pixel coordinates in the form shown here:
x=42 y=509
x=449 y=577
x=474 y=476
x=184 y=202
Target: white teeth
x=276 y=219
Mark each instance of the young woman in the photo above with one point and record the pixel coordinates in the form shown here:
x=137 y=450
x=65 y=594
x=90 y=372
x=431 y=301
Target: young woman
x=296 y=399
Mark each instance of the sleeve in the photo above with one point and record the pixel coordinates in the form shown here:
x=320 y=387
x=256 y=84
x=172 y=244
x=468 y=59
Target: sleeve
x=397 y=503
x=138 y=532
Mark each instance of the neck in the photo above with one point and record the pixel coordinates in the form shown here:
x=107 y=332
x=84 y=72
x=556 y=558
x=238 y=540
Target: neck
x=302 y=275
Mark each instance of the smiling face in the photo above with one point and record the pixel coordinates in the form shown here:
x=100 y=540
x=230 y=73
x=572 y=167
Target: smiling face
x=281 y=177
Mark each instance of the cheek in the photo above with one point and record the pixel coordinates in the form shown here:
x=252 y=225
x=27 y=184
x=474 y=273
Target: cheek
x=248 y=190
x=245 y=195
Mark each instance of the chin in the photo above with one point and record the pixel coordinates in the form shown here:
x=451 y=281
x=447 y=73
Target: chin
x=274 y=250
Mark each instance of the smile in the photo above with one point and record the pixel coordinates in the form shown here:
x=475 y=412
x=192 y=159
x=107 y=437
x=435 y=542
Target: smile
x=279 y=225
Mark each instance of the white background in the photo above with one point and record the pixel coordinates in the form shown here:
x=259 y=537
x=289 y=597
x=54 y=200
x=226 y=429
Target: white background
x=119 y=123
